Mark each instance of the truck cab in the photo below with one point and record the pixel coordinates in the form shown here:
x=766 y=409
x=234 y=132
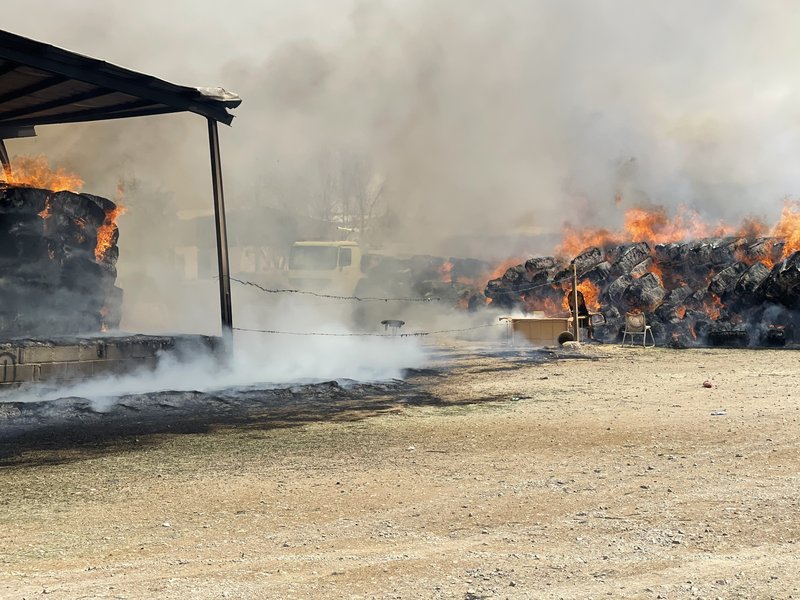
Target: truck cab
x=329 y=267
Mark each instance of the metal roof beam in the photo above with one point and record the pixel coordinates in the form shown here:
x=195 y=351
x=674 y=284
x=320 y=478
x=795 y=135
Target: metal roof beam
x=140 y=108
x=6 y=69
x=94 y=74
x=33 y=88
x=57 y=103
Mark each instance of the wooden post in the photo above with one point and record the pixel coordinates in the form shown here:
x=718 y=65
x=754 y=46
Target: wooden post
x=575 y=299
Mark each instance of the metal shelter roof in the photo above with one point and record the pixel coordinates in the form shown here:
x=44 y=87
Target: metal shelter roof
x=41 y=84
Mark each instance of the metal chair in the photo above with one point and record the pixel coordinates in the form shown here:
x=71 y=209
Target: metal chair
x=636 y=324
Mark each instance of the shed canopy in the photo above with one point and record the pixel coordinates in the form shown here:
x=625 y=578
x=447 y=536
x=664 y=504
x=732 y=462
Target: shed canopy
x=41 y=84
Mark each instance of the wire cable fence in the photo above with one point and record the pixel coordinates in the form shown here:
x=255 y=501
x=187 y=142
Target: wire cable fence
x=366 y=334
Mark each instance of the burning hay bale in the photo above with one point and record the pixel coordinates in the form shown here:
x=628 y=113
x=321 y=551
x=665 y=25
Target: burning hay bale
x=782 y=285
x=715 y=291
x=58 y=254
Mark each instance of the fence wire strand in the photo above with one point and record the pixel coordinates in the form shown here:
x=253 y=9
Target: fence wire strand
x=331 y=296
x=326 y=334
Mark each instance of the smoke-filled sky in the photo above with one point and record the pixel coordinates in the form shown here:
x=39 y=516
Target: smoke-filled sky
x=480 y=118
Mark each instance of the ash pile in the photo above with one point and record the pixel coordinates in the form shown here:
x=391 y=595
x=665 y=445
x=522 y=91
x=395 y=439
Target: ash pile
x=716 y=292
x=58 y=254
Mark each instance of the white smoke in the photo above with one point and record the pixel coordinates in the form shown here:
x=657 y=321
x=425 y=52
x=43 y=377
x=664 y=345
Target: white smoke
x=257 y=359
x=490 y=123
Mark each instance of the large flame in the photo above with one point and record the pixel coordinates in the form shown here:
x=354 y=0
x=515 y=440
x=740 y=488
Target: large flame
x=591 y=294
x=654 y=226
x=788 y=227
x=504 y=266
x=105 y=233
x=35 y=171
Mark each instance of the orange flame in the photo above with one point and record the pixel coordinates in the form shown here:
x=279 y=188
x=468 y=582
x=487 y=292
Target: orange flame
x=655 y=226
x=446 y=271
x=539 y=304
x=713 y=306
x=788 y=227
x=48 y=209
x=504 y=266
x=105 y=233
x=591 y=294
x=35 y=171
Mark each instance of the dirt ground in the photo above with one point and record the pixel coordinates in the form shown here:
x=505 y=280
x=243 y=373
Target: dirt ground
x=613 y=474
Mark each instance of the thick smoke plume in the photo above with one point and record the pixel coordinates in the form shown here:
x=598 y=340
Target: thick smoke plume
x=470 y=128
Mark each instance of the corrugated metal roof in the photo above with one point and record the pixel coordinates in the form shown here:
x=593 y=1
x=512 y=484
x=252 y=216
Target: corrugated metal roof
x=41 y=84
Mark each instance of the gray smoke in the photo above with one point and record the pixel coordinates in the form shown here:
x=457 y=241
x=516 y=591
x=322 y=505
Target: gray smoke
x=484 y=125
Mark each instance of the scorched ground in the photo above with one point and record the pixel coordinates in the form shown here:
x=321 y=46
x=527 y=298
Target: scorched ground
x=491 y=475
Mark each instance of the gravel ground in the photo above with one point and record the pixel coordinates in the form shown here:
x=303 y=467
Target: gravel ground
x=602 y=472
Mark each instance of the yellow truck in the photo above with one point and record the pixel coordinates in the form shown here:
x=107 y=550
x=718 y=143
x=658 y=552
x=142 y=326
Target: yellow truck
x=326 y=267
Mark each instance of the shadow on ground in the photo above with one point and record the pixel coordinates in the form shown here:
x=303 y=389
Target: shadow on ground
x=36 y=433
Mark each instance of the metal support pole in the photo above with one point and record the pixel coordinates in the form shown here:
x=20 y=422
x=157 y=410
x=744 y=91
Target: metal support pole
x=6 y=162
x=575 y=298
x=226 y=311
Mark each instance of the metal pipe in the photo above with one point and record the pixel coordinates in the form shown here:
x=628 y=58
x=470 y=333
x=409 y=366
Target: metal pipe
x=226 y=312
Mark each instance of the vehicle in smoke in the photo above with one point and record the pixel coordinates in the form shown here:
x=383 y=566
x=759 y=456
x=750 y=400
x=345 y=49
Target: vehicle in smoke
x=326 y=267
x=385 y=286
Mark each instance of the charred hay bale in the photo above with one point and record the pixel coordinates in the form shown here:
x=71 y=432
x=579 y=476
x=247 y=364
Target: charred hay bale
x=698 y=298
x=501 y=291
x=669 y=253
x=721 y=333
x=541 y=263
x=750 y=281
x=701 y=253
x=611 y=330
x=625 y=257
x=782 y=285
x=614 y=291
x=587 y=259
x=699 y=323
x=723 y=250
x=644 y=294
x=104 y=203
x=643 y=267
x=19 y=248
x=661 y=331
x=680 y=335
x=769 y=249
x=774 y=324
x=670 y=309
x=47 y=262
x=22 y=200
x=726 y=279
x=423 y=267
x=514 y=275
x=40 y=272
x=83 y=209
x=21 y=224
x=599 y=274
